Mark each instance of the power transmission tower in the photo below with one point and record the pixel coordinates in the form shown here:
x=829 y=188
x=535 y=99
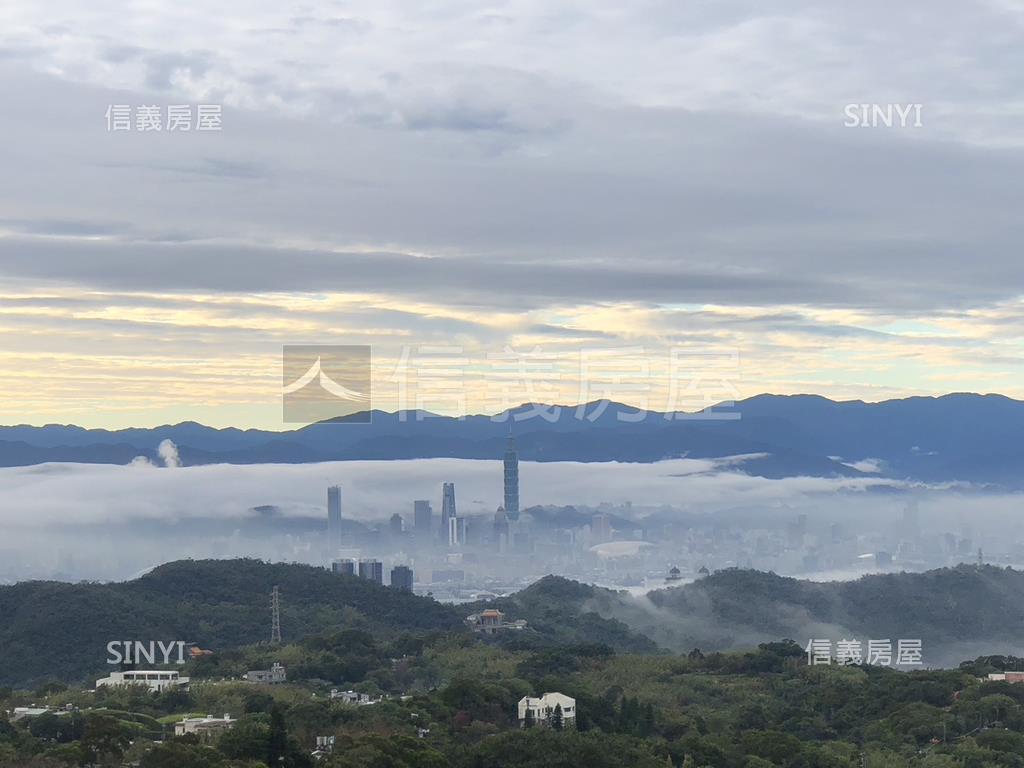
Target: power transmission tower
x=275 y=624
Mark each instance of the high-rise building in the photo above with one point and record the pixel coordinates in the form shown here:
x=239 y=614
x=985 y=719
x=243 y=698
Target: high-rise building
x=397 y=524
x=333 y=520
x=423 y=518
x=372 y=570
x=601 y=528
x=401 y=578
x=345 y=567
x=449 y=516
x=511 y=479
x=501 y=531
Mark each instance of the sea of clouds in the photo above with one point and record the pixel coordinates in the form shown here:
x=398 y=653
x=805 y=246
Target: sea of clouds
x=107 y=521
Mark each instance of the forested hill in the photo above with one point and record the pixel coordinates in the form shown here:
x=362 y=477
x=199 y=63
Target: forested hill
x=957 y=613
x=58 y=630
x=954 y=611
x=52 y=630
x=562 y=611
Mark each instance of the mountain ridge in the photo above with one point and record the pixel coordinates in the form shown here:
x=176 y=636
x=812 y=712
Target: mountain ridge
x=957 y=436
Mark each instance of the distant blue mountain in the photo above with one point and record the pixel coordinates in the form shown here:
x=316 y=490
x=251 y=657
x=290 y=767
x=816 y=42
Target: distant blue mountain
x=967 y=437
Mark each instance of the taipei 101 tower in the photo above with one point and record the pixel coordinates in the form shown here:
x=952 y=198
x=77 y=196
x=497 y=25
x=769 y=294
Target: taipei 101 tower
x=511 y=479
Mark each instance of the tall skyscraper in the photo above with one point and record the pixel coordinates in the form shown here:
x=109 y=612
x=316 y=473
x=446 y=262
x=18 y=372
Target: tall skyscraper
x=601 y=528
x=449 y=516
x=423 y=518
x=372 y=570
x=401 y=578
x=396 y=524
x=511 y=479
x=345 y=567
x=333 y=520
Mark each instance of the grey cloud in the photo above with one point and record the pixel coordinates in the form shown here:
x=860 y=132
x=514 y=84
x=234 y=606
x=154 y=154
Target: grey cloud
x=627 y=204
x=119 y=54
x=163 y=68
x=546 y=329
x=61 y=227
x=192 y=267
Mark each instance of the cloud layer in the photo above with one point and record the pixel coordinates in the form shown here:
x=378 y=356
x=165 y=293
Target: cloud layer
x=550 y=176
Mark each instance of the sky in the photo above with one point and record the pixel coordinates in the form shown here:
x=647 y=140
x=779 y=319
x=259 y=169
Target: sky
x=658 y=202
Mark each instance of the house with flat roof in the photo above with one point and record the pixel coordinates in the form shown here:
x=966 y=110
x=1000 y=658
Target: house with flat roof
x=208 y=727
x=276 y=674
x=155 y=679
x=541 y=708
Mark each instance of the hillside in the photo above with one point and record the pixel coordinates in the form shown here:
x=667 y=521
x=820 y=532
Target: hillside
x=954 y=611
x=957 y=613
x=562 y=611
x=57 y=630
x=54 y=630
x=967 y=437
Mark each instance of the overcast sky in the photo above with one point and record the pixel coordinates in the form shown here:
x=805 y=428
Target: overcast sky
x=507 y=179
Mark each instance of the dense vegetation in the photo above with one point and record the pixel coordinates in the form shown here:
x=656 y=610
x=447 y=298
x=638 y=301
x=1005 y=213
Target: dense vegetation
x=955 y=612
x=945 y=604
x=444 y=697
x=450 y=701
x=60 y=631
x=562 y=611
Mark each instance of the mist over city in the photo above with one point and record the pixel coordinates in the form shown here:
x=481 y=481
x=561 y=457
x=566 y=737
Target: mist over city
x=620 y=524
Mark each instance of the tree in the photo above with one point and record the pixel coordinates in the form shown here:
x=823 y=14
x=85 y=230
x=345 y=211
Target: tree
x=249 y=739
x=277 y=746
x=529 y=721
x=557 y=721
x=179 y=754
x=104 y=736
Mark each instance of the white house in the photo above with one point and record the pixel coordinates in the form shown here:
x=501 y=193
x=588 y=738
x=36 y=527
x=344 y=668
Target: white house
x=203 y=726
x=543 y=707
x=155 y=679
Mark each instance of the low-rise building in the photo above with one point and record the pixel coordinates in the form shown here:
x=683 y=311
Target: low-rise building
x=541 y=708
x=20 y=713
x=324 y=747
x=1008 y=677
x=490 y=621
x=205 y=727
x=352 y=697
x=276 y=674
x=155 y=679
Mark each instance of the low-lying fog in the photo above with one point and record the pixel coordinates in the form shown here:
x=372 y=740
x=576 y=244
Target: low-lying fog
x=79 y=521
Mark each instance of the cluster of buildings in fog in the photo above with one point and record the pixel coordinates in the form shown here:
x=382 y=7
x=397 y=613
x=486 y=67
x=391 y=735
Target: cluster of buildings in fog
x=487 y=528
x=465 y=557
x=440 y=544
